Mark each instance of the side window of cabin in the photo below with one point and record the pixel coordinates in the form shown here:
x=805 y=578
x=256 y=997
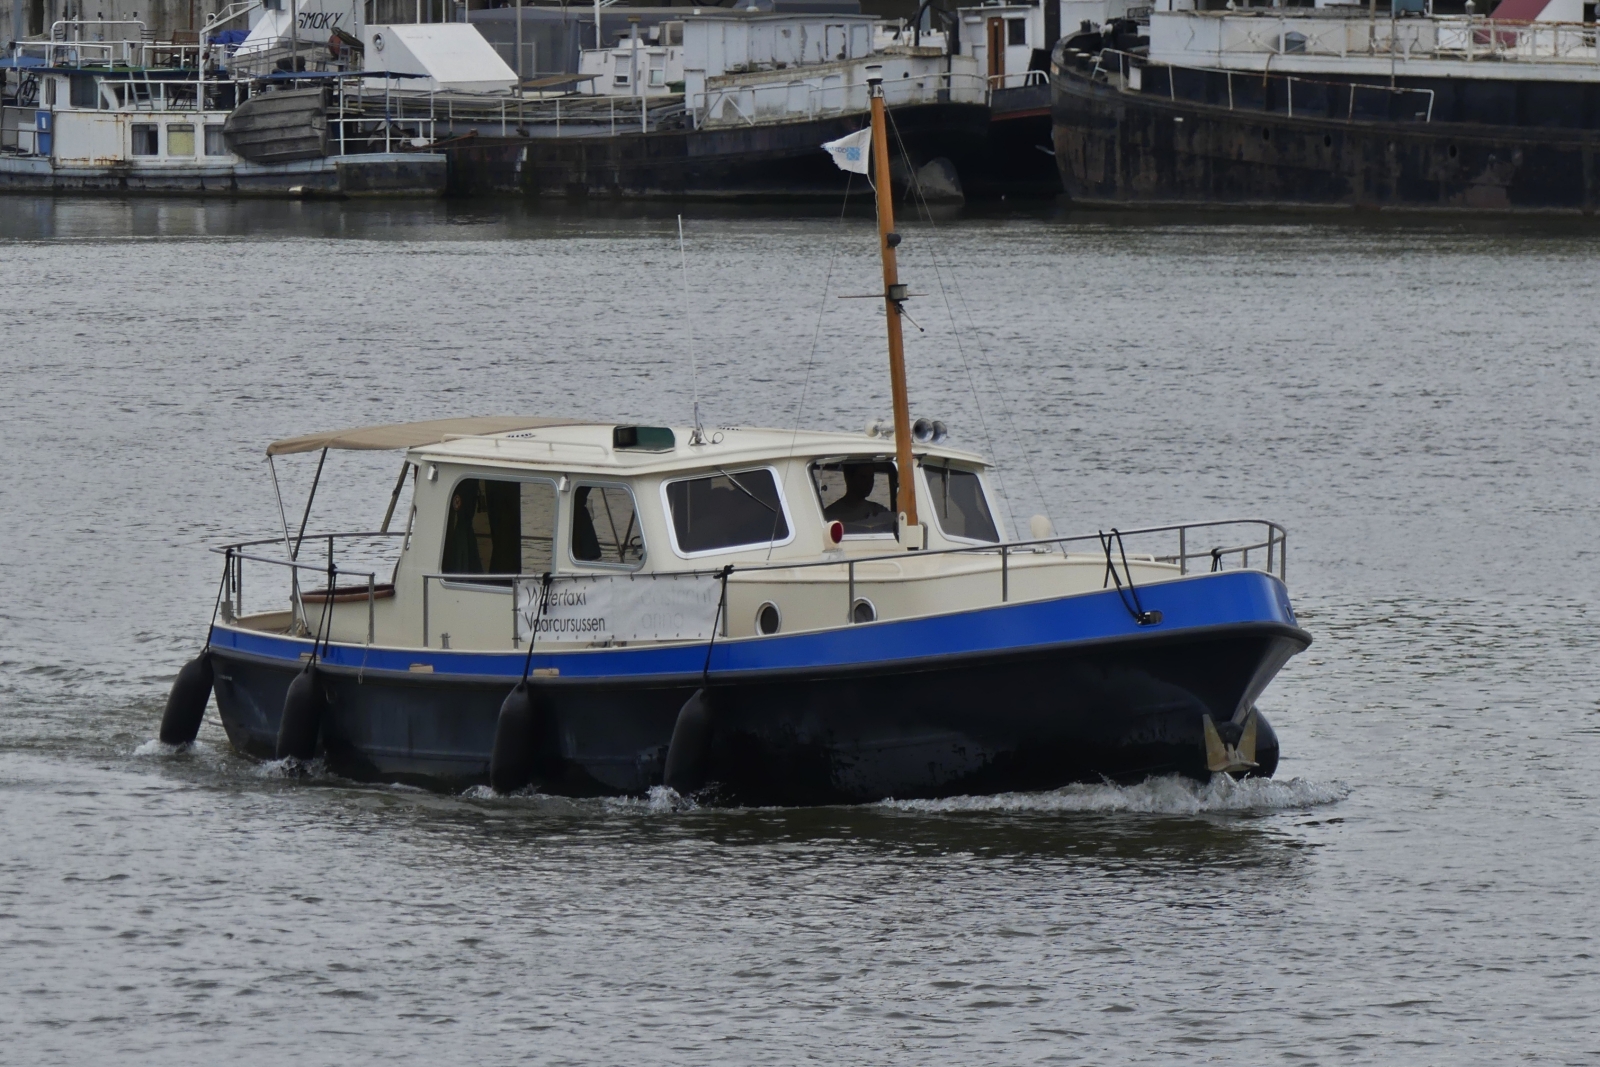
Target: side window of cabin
x=727 y=511
x=499 y=527
x=959 y=503
x=859 y=493
x=605 y=526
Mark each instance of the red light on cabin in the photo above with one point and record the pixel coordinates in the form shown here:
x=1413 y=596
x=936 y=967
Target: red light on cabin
x=835 y=532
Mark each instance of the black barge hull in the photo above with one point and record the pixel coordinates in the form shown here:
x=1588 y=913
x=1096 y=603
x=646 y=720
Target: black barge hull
x=1195 y=138
x=776 y=161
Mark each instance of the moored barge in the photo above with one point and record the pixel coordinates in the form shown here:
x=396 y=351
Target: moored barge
x=1331 y=107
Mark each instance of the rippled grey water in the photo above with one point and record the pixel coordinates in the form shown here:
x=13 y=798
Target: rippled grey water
x=1415 y=401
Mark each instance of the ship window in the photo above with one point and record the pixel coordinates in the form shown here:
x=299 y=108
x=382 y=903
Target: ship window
x=1016 y=31
x=215 y=144
x=499 y=527
x=959 y=502
x=180 y=140
x=622 y=69
x=860 y=493
x=658 y=70
x=727 y=510
x=83 y=90
x=146 y=139
x=50 y=92
x=605 y=526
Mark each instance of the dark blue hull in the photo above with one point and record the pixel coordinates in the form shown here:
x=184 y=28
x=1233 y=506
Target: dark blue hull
x=1016 y=697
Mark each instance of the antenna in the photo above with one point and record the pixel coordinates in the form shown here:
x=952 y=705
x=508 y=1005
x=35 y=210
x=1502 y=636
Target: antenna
x=698 y=437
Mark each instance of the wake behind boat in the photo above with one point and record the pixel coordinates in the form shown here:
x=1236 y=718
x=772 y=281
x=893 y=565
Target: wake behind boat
x=768 y=616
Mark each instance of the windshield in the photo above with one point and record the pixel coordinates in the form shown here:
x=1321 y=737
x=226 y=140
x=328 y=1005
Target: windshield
x=859 y=494
x=959 y=502
x=726 y=510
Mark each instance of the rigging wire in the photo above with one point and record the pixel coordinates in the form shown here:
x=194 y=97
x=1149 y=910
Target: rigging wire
x=698 y=437
x=816 y=332
x=988 y=367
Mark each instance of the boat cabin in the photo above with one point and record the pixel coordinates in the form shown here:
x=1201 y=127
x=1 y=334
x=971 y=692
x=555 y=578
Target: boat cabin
x=592 y=535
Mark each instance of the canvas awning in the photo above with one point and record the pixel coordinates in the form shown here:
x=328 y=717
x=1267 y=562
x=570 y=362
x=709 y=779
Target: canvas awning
x=412 y=434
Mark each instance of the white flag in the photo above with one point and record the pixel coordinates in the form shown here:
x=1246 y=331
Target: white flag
x=850 y=152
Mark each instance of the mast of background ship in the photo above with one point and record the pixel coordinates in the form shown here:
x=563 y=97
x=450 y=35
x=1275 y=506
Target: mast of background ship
x=893 y=294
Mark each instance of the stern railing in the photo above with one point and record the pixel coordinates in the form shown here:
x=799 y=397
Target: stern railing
x=1191 y=547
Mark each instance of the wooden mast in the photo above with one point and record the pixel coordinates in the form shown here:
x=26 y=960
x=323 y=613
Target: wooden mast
x=893 y=293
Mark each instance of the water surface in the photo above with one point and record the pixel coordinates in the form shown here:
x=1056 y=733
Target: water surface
x=1415 y=401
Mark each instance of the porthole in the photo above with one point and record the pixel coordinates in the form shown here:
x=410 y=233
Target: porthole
x=768 y=619
x=1266 y=134
x=863 y=611
x=1453 y=151
x=1327 y=140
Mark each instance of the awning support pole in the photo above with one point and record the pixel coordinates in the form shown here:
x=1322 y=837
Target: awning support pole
x=394 y=497
x=312 y=496
x=294 y=574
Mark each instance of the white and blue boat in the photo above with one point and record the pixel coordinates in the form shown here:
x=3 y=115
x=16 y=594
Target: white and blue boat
x=764 y=616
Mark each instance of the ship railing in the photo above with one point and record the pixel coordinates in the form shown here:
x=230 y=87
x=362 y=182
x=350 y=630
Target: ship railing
x=96 y=43
x=685 y=605
x=380 y=133
x=755 y=104
x=444 y=112
x=1287 y=94
x=1458 y=37
x=231 y=602
x=1184 y=545
x=1024 y=80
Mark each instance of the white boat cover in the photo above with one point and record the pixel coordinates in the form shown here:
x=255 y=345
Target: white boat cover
x=449 y=57
x=414 y=434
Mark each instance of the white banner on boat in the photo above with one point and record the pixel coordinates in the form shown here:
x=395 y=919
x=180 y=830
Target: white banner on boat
x=620 y=607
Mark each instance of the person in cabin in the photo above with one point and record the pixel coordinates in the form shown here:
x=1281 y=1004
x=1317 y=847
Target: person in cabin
x=461 y=540
x=855 y=507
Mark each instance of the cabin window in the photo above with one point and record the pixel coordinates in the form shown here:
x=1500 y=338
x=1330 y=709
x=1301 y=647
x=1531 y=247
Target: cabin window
x=180 y=140
x=860 y=494
x=658 y=70
x=959 y=503
x=83 y=90
x=146 y=139
x=727 y=510
x=215 y=145
x=50 y=92
x=622 y=67
x=500 y=527
x=605 y=526
x=1016 y=31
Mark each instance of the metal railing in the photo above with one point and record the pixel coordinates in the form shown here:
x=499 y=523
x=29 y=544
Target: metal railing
x=1265 y=93
x=1456 y=37
x=232 y=601
x=1182 y=548
x=69 y=47
x=709 y=107
x=1024 y=80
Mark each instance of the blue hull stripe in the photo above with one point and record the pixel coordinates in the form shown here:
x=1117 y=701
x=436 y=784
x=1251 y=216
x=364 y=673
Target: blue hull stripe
x=1228 y=598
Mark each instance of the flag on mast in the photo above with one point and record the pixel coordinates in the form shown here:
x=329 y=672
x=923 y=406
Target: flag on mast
x=850 y=152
